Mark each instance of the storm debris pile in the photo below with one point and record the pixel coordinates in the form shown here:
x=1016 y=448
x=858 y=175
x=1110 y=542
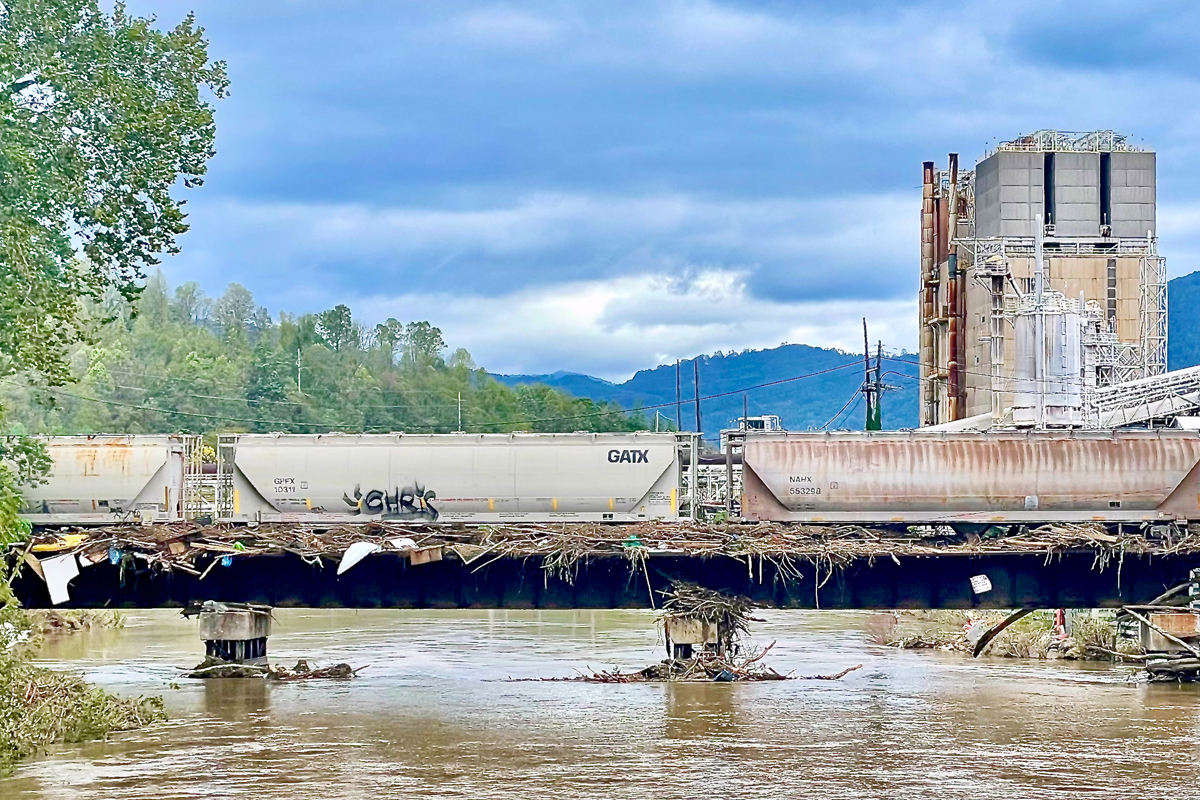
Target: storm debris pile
x=727 y=616
x=195 y=549
x=1173 y=669
x=707 y=667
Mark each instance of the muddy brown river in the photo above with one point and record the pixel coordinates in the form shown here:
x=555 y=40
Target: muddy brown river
x=431 y=716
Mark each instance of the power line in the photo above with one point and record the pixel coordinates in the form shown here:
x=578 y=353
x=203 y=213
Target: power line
x=196 y=414
x=840 y=410
x=854 y=407
x=589 y=415
x=181 y=379
x=1007 y=378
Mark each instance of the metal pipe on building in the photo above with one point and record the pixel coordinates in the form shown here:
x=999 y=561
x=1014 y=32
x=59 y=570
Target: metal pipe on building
x=678 y=399
x=953 y=388
x=952 y=373
x=1039 y=320
x=996 y=325
x=927 y=311
x=729 y=476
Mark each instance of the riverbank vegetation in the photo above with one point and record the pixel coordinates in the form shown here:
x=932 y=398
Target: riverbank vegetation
x=40 y=707
x=1033 y=637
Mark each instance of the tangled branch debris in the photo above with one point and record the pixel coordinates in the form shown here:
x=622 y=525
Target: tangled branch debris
x=705 y=668
x=730 y=614
x=192 y=548
x=1172 y=669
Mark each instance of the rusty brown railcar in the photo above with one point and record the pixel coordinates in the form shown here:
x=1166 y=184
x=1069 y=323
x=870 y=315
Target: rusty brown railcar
x=994 y=477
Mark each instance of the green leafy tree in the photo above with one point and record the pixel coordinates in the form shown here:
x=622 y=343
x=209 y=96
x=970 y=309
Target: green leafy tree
x=101 y=117
x=155 y=304
x=423 y=345
x=337 y=328
x=268 y=376
x=190 y=304
x=261 y=321
x=297 y=332
x=389 y=338
x=22 y=462
x=235 y=309
x=461 y=360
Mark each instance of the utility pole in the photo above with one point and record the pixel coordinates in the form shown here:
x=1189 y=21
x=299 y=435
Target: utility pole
x=871 y=386
x=678 y=400
x=298 y=389
x=879 y=386
x=745 y=410
x=696 y=378
x=460 y=427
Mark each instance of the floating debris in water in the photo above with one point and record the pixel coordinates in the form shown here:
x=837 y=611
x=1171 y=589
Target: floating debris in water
x=216 y=668
x=703 y=668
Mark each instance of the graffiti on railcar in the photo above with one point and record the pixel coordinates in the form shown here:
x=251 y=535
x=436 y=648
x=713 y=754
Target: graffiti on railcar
x=407 y=503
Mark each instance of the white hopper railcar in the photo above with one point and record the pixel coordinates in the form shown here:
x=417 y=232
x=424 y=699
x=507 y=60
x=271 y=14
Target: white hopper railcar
x=102 y=480
x=472 y=478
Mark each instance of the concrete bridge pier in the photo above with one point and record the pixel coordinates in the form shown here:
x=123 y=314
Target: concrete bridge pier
x=235 y=632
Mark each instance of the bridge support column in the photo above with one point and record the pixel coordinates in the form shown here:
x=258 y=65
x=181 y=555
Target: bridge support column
x=235 y=632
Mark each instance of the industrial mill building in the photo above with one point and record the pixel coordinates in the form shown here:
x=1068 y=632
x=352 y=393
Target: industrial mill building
x=1087 y=200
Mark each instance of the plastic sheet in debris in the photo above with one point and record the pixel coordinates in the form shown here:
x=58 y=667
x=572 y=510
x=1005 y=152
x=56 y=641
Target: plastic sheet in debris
x=356 y=553
x=59 y=571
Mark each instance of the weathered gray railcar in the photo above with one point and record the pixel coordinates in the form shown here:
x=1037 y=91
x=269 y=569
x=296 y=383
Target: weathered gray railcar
x=101 y=480
x=915 y=476
x=475 y=478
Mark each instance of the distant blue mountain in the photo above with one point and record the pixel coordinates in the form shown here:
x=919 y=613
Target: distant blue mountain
x=1183 y=308
x=808 y=402
x=814 y=401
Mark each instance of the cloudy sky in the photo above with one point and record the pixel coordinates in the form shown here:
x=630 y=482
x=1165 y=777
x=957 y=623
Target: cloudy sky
x=604 y=186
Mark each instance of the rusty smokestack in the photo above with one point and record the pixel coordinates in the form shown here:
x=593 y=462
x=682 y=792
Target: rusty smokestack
x=927 y=311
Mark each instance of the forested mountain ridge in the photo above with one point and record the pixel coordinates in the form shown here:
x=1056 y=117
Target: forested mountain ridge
x=187 y=363
x=808 y=387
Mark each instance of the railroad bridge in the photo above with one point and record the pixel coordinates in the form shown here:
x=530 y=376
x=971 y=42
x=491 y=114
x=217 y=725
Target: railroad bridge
x=607 y=567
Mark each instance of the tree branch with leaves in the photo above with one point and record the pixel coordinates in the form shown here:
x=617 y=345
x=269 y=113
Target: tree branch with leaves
x=102 y=118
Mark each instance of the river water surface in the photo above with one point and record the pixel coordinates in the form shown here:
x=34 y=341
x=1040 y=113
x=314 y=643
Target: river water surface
x=432 y=716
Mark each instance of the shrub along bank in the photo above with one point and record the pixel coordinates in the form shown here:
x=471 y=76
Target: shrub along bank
x=40 y=707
